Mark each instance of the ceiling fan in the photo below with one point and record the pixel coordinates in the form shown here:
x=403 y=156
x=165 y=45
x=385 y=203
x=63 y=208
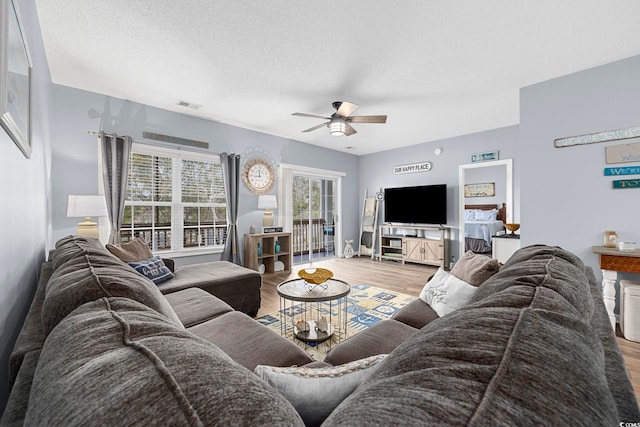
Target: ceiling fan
x=339 y=122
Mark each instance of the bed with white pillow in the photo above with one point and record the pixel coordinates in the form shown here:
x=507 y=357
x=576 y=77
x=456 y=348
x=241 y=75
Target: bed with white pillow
x=481 y=223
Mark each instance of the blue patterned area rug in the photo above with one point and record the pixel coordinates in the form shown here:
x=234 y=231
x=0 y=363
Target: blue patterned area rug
x=366 y=306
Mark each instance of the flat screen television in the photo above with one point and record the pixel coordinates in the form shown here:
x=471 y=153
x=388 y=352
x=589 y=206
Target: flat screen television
x=425 y=204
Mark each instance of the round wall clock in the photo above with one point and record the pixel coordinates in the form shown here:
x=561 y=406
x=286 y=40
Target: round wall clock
x=258 y=175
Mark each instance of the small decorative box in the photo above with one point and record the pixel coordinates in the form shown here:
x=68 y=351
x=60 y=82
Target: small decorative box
x=627 y=246
x=272 y=229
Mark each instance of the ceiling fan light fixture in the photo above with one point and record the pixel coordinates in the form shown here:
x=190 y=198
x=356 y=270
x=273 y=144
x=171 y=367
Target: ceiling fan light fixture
x=337 y=127
x=339 y=123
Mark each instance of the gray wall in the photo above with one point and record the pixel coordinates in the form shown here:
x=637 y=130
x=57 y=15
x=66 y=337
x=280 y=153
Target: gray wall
x=565 y=198
x=376 y=170
x=24 y=191
x=75 y=158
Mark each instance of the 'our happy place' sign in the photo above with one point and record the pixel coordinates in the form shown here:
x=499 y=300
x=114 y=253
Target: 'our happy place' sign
x=412 y=168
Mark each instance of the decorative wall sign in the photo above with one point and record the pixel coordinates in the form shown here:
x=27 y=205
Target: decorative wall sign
x=591 y=138
x=15 y=78
x=412 y=168
x=484 y=157
x=486 y=189
x=623 y=153
x=626 y=184
x=629 y=170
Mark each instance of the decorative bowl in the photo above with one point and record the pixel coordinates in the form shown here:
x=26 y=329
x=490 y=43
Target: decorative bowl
x=315 y=276
x=512 y=227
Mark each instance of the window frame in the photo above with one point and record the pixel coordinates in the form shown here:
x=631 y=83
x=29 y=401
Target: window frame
x=178 y=226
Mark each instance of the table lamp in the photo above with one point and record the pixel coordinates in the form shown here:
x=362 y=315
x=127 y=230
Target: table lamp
x=87 y=207
x=267 y=203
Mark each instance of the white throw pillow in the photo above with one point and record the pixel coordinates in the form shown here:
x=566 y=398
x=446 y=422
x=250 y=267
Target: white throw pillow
x=316 y=392
x=488 y=215
x=446 y=293
x=469 y=214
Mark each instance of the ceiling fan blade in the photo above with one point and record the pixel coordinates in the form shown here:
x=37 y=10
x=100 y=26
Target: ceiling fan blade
x=346 y=108
x=349 y=130
x=310 y=115
x=316 y=127
x=368 y=119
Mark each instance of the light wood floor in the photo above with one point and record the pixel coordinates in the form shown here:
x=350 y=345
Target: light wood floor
x=407 y=279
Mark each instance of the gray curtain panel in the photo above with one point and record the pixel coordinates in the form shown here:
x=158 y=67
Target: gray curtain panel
x=116 y=152
x=231 y=174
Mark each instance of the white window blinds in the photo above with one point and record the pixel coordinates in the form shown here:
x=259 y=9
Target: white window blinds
x=175 y=200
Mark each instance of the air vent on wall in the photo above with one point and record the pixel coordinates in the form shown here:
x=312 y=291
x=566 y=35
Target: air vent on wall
x=189 y=105
x=175 y=140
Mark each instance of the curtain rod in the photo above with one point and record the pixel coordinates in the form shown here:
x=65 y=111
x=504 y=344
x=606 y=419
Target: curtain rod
x=93 y=132
x=159 y=143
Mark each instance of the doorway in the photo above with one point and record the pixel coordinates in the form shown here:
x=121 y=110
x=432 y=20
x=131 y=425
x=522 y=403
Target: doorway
x=502 y=167
x=312 y=208
x=313 y=218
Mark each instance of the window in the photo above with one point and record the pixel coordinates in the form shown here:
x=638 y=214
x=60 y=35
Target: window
x=175 y=200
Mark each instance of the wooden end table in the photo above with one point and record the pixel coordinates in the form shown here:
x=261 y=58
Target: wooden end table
x=613 y=261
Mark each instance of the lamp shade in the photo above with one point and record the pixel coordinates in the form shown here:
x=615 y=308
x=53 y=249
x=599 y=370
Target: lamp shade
x=337 y=127
x=267 y=202
x=86 y=206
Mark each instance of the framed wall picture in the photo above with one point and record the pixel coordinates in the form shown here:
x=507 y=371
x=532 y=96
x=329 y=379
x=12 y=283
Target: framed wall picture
x=15 y=78
x=486 y=189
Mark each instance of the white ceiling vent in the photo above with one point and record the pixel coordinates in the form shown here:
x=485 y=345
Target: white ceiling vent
x=189 y=105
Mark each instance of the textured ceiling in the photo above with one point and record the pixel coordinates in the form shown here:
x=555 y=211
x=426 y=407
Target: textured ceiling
x=437 y=68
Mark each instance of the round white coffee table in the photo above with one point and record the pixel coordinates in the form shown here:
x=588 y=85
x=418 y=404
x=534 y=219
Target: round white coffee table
x=302 y=301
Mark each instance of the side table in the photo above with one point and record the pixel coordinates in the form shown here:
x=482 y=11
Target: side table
x=502 y=247
x=613 y=261
x=300 y=300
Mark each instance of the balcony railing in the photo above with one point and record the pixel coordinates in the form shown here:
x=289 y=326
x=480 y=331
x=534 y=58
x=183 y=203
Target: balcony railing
x=313 y=231
x=160 y=238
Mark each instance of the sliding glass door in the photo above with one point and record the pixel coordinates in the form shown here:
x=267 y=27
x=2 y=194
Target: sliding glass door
x=312 y=208
x=313 y=218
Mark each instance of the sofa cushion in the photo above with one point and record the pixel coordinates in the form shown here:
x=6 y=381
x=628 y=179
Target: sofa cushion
x=194 y=306
x=114 y=361
x=135 y=250
x=250 y=343
x=16 y=408
x=31 y=335
x=236 y=285
x=315 y=392
x=153 y=269
x=542 y=266
x=67 y=248
x=89 y=273
x=416 y=314
x=381 y=338
x=523 y=352
x=446 y=293
x=475 y=268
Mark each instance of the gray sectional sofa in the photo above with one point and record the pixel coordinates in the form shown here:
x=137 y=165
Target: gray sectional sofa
x=101 y=345
x=534 y=346
x=236 y=285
